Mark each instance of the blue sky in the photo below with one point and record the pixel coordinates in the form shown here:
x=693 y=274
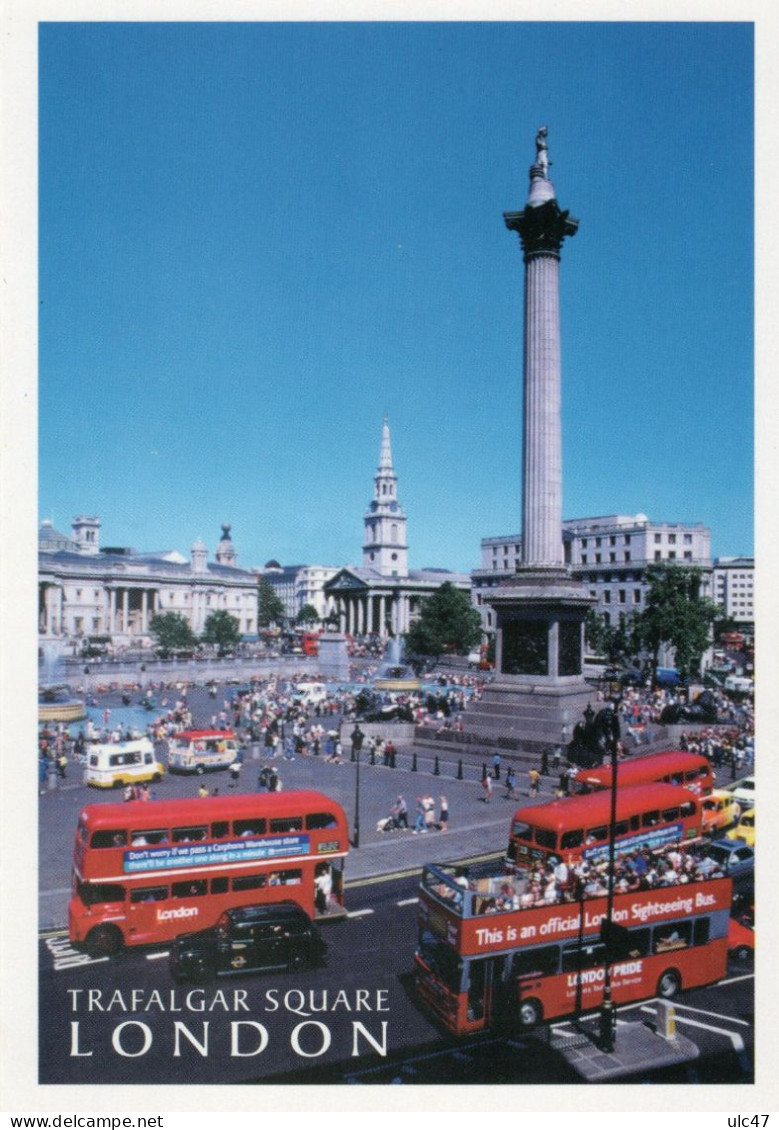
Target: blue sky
x=255 y=239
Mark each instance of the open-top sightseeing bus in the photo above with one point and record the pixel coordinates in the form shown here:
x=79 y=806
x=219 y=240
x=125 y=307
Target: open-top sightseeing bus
x=479 y=967
x=670 y=767
x=575 y=828
x=147 y=871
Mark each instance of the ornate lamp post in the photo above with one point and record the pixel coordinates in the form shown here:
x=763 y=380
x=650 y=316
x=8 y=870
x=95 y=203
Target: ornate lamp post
x=608 y=1011
x=356 y=835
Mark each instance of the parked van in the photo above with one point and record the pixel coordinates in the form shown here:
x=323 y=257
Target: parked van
x=115 y=764
x=201 y=751
x=310 y=693
x=740 y=684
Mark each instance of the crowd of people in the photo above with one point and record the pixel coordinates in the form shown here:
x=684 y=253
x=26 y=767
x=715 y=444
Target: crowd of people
x=555 y=881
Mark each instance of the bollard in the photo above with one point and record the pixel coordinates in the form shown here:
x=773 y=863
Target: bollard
x=460 y=770
x=483 y=770
x=437 y=768
x=353 y=758
x=666 y=1020
x=414 y=763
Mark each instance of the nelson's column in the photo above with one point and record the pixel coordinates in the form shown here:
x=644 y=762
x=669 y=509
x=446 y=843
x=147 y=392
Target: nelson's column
x=539 y=692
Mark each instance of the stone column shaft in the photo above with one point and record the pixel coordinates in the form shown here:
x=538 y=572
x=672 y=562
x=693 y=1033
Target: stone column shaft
x=542 y=447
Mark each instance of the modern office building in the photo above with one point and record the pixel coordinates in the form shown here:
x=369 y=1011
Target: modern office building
x=734 y=588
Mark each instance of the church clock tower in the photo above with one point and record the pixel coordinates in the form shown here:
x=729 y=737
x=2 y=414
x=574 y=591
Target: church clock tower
x=386 y=546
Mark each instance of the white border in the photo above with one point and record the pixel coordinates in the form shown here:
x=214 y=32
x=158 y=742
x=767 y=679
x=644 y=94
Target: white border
x=18 y=545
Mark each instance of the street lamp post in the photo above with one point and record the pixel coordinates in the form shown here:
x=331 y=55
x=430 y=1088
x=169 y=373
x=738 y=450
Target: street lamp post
x=356 y=836
x=608 y=1011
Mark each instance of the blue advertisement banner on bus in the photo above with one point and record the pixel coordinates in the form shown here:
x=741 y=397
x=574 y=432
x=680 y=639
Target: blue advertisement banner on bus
x=201 y=855
x=654 y=840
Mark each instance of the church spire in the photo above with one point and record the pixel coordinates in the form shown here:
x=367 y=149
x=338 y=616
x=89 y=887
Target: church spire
x=385 y=547
x=385 y=459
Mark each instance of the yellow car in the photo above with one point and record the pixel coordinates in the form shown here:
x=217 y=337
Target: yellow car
x=719 y=810
x=745 y=829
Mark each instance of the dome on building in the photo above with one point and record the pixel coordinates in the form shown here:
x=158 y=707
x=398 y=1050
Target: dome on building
x=272 y=564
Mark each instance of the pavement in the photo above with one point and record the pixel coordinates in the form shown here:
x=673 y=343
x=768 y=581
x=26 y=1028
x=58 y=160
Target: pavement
x=476 y=829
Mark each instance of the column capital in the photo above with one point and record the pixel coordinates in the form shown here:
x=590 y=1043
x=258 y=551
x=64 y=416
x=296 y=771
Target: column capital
x=542 y=229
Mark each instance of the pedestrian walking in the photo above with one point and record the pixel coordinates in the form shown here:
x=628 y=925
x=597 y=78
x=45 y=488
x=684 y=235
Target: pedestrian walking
x=419 y=823
x=443 y=816
x=429 y=812
x=235 y=774
x=487 y=787
x=203 y=790
x=496 y=762
x=535 y=780
x=511 y=781
x=400 y=812
x=556 y=758
x=564 y=780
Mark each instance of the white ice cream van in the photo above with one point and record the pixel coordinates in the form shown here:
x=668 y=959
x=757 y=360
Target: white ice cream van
x=115 y=764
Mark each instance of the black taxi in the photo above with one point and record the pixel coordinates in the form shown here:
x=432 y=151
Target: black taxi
x=279 y=936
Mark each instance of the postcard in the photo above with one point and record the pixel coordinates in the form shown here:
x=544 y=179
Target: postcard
x=382 y=581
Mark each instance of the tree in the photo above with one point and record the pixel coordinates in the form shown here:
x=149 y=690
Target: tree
x=270 y=608
x=677 y=616
x=223 y=630
x=172 y=632
x=616 y=642
x=307 y=615
x=447 y=621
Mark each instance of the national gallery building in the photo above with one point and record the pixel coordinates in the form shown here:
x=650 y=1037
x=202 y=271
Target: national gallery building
x=84 y=590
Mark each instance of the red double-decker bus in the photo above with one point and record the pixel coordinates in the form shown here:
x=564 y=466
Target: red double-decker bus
x=669 y=767
x=146 y=872
x=575 y=828
x=479 y=967
x=310 y=643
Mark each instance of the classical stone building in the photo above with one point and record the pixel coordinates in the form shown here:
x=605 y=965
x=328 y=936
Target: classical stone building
x=298 y=585
x=383 y=596
x=115 y=591
x=609 y=555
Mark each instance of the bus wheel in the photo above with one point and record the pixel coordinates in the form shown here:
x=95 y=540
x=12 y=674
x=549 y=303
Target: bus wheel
x=156 y=778
x=103 y=941
x=669 y=984
x=199 y=770
x=743 y=953
x=530 y=1014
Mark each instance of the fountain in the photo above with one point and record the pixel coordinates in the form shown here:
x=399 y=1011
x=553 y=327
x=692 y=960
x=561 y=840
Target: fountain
x=394 y=674
x=55 y=703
